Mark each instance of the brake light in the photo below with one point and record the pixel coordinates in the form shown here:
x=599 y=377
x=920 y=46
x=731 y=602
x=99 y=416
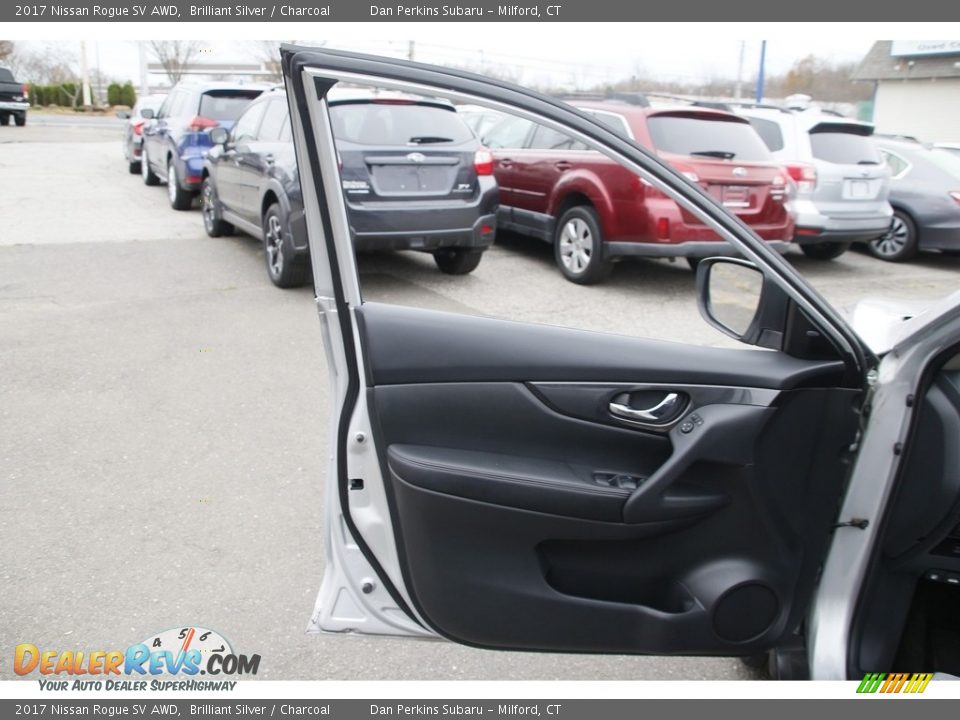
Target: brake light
x=663 y=228
x=26 y=91
x=138 y=127
x=805 y=176
x=202 y=123
x=483 y=162
x=955 y=194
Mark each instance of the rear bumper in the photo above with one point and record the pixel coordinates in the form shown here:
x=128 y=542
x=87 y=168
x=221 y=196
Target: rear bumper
x=694 y=249
x=14 y=107
x=478 y=235
x=814 y=226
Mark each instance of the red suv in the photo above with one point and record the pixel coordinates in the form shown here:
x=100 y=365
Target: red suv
x=596 y=212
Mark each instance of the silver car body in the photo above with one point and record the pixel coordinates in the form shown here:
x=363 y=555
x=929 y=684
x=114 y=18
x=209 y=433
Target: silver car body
x=848 y=200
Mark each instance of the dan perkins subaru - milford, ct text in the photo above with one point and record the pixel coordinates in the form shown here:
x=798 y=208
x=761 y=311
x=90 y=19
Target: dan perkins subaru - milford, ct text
x=464 y=11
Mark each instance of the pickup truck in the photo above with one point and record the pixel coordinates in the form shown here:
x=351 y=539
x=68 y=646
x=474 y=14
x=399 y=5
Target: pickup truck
x=13 y=99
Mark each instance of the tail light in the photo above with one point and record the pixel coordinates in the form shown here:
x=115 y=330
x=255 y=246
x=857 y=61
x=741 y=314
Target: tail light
x=778 y=188
x=202 y=123
x=483 y=162
x=26 y=91
x=138 y=127
x=805 y=176
x=955 y=194
x=663 y=228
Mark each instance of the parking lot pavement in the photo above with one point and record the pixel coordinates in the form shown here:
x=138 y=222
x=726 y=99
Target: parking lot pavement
x=162 y=442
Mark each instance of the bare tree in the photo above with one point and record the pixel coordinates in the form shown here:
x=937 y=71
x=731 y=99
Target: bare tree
x=267 y=52
x=175 y=56
x=6 y=49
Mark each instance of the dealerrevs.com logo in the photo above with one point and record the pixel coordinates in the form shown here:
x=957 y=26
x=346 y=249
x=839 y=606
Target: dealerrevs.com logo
x=171 y=660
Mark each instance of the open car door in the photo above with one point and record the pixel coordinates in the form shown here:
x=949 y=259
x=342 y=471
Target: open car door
x=519 y=486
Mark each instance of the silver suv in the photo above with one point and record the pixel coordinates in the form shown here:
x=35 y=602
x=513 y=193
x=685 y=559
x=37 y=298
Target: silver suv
x=842 y=182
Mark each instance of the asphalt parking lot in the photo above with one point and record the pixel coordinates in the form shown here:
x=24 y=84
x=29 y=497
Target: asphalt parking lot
x=162 y=425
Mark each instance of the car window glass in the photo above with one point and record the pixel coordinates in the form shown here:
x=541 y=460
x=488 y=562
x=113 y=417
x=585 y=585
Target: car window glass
x=285 y=133
x=273 y=120
x=706 y=137
x=167 y=105
x=614 y=122
x=245 y=128
x=897 y=164
x=844 y=148
x=770 y=132
x=545 y=138
x=225 y=105
x=390 y=123
x=510 y=132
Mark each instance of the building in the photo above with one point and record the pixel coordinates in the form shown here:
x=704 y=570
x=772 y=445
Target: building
x=917 y=88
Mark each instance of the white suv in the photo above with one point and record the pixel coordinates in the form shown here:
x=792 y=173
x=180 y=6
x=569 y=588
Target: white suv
x=842 y=182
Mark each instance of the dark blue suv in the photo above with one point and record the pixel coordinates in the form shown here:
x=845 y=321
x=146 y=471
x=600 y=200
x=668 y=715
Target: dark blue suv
x=176 y=138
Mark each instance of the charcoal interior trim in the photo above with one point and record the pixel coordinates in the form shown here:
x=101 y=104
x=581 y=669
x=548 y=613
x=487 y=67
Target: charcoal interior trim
x=412 y=345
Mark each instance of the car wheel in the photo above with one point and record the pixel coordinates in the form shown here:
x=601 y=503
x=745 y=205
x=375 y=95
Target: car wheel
x=694 y=263
x=20 y=120
x=900 y=241
x=134 y=167
x=825 y=250
x=4 y=119
x=149 y=178
x=578 y=246
x=180 y=199
x=284 y=269
x=457 y=261
x=210 y=208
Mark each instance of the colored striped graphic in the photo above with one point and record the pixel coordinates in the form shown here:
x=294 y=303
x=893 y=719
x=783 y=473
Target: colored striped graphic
x=894 y=682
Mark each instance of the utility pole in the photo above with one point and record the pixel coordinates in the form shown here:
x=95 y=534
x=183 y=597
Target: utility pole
x=84 y=74
x=760 y=78
x=738 y=90
x=410 y=50
x=144 y=80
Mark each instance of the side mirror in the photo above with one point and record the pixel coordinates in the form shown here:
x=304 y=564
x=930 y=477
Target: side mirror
x=219 y=135
x=123 y=114
x=736 y=299
x=147 y=113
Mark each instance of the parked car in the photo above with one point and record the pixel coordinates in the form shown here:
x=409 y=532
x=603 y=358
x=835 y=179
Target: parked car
x=177 y=136
x=479 y=119
x=953 y=148
x=925 y=195
x=513 y=485
x=841 y=181
x=414 y=176
x=14 y=99
x=595 y=212
x=133 y=129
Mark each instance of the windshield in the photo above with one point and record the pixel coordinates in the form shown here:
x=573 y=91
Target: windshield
x=707 y=137
x=373 y=123
x=225 y=104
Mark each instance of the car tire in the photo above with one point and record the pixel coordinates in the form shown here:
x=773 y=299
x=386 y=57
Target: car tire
x=134 y=167
x=457 y=261
x=149 y=177
x=694 y=263
x=180 y=199
x=825 y=250
x=578 y=246
x=210 y=208
x=283 y=267
x=20 y=120
x=4 y=119
x=900 y=241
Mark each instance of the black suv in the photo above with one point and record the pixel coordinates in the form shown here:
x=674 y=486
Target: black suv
x=414 y=178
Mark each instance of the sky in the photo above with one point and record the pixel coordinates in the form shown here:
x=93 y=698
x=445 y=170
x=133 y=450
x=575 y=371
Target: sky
x=581 y=56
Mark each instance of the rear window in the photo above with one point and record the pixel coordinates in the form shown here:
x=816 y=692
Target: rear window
x=844 y=148
x=770 y=132
x=372 y=123
x=225 y=104
x=6 y=75
x=704 y=137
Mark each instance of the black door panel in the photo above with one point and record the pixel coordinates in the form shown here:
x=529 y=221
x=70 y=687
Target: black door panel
x=410 y=345
x=528 y=518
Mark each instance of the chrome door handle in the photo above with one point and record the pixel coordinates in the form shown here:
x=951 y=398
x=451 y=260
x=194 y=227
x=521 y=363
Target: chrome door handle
x=660 y=412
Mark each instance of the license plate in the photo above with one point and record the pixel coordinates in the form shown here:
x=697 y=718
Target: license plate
x=736 y=196
x=858 y=188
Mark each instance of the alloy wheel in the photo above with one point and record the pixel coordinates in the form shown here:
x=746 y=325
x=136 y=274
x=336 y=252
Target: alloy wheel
x=274 y=245
x=576 y=246
x=895 y=240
